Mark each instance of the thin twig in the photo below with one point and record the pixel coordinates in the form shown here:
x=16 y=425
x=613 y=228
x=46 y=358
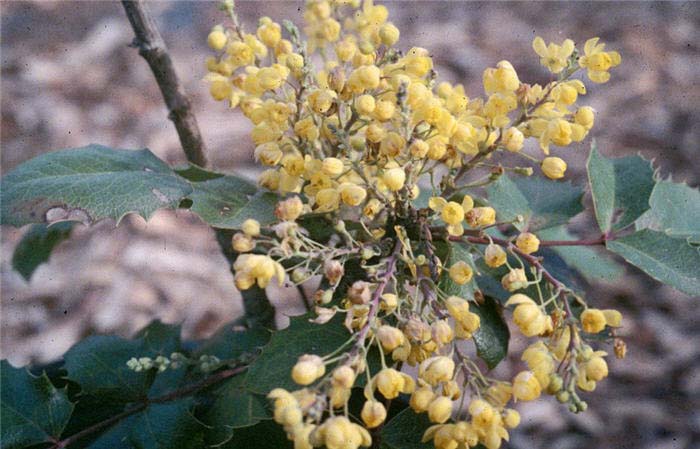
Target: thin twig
x=152 y=47
x=172 y=396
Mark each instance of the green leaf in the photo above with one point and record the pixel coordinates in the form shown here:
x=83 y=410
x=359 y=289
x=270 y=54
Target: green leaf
x=592 y=263
x=32 y=410
x=98 y=363
x=675 y=210
x=405 y=431
x=88 y=184
x=195 y=173
x=274 y=366
x=671 y=261
x=264 y=435
x=620 y=189
x=233 y=341
x=491 y=339
x=37 y=244
x=226 y=202
x=542 y=203
x=234 y=407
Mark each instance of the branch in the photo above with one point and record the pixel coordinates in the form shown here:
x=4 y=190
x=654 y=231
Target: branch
x=152 y=47
x=172 y=396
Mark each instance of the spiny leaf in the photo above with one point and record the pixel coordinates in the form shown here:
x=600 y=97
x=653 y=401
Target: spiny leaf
x=671 y=261
x=675 y=210
x=32 y=410
x=541 y=203
x=226 y=202
x=88 y=184
x=37 y=244
x=619 y=187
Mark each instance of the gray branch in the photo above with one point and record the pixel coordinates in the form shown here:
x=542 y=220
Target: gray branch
x=152 y=47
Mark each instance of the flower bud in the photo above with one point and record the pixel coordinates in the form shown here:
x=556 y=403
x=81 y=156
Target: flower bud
x=391 y=382
x=421 y=399
x=494 y=256
x=217 y=39
x=394 y=178
x=365 y=104
x=373 y=414
x=526 y=387
x=527 y=242
x=440 y=409
x=389 y=34
x=511 y=418
x=437 y=369
x=388 y=302
x=613 y=318
x=596 y=369
x=289 y=209
x=553 y=167
x=418 y=148
x=442 y=332
x=513 y=140
x=585 y=117
x=389 y=337
x=251 y=228
x=332 y=166
x=343 y=377
x=592 y=321
x=242 y=243
x=352 y=194
x=308 y=368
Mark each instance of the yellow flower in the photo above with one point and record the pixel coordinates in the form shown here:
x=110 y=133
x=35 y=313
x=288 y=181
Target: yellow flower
x=384 y=110
x=364 y=78
x=365 y=104
x=421 y=399
x=597 y=61
x=494 y=256
x=308 y=368
x=352 y=194
x=390 y=337
x=502 y=79
x=390 y=383
x=389 y=34
x=242 y=243
x=585 y=117
x=373 y=414
x=436 y=369
x=527 y=242
x=251 y=227
x=461 y=272
x=343 y=377
x=526 y=387
x=513 y=140
x=481 y=216
x=554 y=57
x=289 y=209
x=269 y=32
x=394 y=178
x=440 y=409
x=321 y=100
x=514 y=280
x=511 y=418
x=257 y=269
x=217 y=39
x=327 y=200
x=528 y=316
x=332 y=166
x=452 y=213
x=593 y=320
x=553 y=167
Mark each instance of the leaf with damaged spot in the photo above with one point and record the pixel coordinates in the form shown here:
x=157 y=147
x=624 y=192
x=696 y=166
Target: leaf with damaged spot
x=88 y=184
x=226 y=202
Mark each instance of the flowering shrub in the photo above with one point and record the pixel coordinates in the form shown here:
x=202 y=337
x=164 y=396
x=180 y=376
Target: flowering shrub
x=385 y=192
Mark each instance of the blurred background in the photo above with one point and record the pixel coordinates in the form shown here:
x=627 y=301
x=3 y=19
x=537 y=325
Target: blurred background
x=70 y=79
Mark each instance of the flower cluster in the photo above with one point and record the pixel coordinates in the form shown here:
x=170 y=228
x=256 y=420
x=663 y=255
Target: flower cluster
x=354 y=130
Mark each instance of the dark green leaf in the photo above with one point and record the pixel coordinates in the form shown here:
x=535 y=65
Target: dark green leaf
x=36 y=246
x=669 y=260
x=234 y=406
x=274 y=366
x=264 y=435
x=491 y=339
x=32 y=410
x=592 y=263
x=406 y=430
x=87 y=184
x=98 y=363
x=195 y=173
x=620 y=189
x=226 y=202
x=233 y=340
x=675 y=210
x=541 y=203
